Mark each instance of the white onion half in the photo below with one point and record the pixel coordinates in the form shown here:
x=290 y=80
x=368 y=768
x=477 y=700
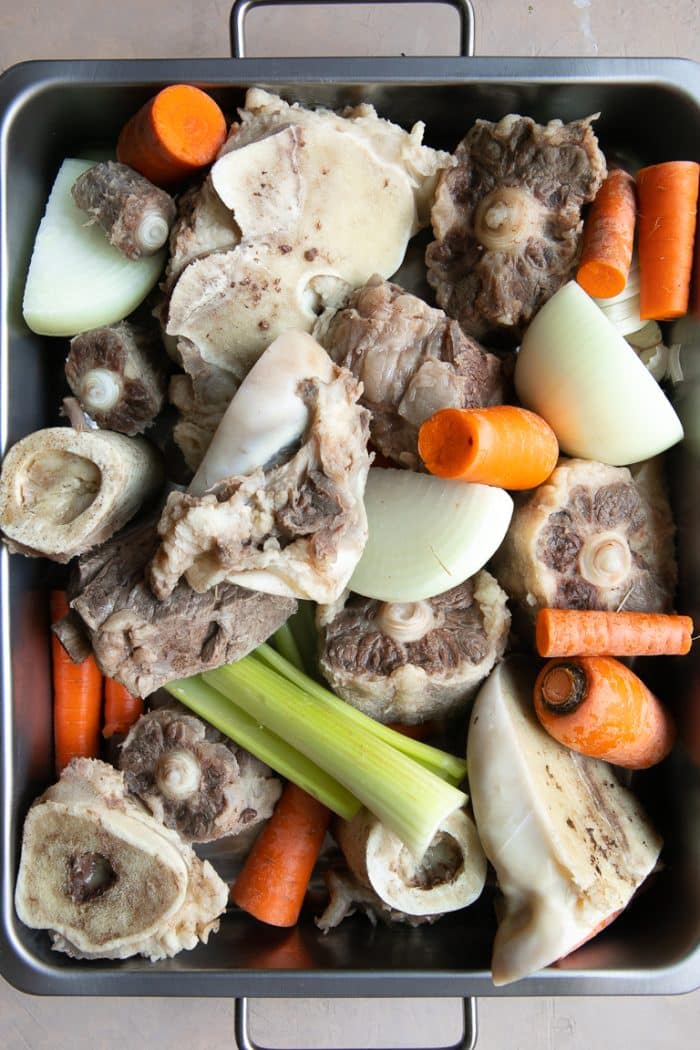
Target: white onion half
x=580 y=375
x=77 y=280
x=426 y=534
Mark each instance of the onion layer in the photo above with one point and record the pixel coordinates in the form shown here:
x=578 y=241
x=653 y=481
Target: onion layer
x=579 y=374
x=426 y=534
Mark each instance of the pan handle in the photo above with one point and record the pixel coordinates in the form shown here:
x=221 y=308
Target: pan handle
x=467 y=1040
x=241 y=8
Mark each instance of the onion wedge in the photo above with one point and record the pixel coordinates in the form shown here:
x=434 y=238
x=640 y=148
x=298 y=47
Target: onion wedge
x=579 y=374
x=77 y=280
x=426 y=534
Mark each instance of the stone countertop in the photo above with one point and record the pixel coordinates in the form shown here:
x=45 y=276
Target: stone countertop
x=159 y=29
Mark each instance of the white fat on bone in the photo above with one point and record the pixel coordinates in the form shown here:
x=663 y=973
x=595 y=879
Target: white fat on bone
x=267 y=413
x=322 y=201
x=569 y=844
x=277 y=505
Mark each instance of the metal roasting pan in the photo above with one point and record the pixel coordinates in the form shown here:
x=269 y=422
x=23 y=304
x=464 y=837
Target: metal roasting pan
x=649 y=112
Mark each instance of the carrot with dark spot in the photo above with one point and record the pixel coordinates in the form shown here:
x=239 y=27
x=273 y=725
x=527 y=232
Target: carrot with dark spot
x=77 y=698
x=501 y=445
x=595 y=705
x=608 y=237
x=273 y=881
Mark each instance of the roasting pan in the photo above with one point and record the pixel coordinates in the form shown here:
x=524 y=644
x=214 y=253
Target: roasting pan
x=650 y=111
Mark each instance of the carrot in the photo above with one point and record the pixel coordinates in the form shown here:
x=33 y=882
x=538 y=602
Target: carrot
x=595 y=705
x=121 y=708
x=77 y=698
x=273 y=881
x=501 y=445
x=695 y=283
x=608 y=237
x=174 y=135
x=576 y=632
x=668 y=198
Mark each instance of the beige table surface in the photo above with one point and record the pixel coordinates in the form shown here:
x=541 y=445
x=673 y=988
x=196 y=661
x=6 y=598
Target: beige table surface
x=173 y=28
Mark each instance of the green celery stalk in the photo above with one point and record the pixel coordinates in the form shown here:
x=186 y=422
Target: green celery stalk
x=230 y=720
x=403 y=795
x=285 y=644
x=449 y=767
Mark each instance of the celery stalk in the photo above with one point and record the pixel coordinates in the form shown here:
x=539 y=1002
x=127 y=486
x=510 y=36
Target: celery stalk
x=444 y=765
x=403 y=795
x=285 y=644
x=230 y=720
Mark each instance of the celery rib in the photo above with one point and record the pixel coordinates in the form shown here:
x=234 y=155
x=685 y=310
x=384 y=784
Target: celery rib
x=444 y=765
x=285 y=644
x=286 y=760
x=401 y=793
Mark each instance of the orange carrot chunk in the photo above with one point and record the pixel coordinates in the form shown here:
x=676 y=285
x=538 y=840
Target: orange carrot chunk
x=668 y=198
x=608 y=237
x=510 y=447
x=77 y=698
x=595 y=705
x=273 y=881
x=121 y=708
x=174 y=135
x=590 y=632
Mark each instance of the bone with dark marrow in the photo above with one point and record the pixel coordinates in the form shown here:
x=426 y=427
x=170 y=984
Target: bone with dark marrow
x=143 y=642
x=412 y=361
x=107 y=879
x=193 y=779
x=117 y=374
x=277 y=503
x=569 y=844
x=346 y=195
x=507 y=221
x=450 y=876
x=591 y=537
x=412 y=661
x=135 y=215
x=64 y=491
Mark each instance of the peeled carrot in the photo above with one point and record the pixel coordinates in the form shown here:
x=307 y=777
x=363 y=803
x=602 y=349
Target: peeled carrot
x=121 y=708
x=273 y=881
x=174 y=135
x=576 y=632
x=668 y=198
x=77 y=698
x=506 y=446
x=608 y=237
x=595 y=705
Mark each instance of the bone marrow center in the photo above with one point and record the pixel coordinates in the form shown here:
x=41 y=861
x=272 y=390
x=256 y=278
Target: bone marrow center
x=58 y=486
x=506 y=218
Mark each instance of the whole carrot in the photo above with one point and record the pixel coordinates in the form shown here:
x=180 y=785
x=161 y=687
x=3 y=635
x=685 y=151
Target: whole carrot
x=121 y=708
x=273 y=881
x=668 y=199
x=505 y=446
x=595 y=705
x=174 y=135
x=77 y=698
x=589 y=632
x=608 y=237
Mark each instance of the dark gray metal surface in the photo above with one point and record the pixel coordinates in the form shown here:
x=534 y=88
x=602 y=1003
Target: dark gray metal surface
x=650 y=111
